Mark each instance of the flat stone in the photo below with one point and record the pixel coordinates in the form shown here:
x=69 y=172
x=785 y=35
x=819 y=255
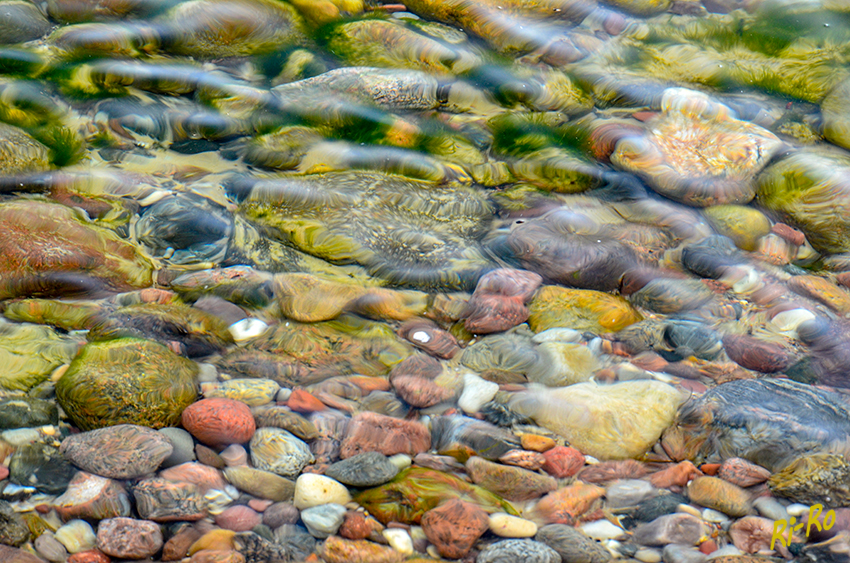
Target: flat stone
x=511 y=551
x=239 y=518
x=14 y=555
x=283 y=417
x=512 y=483
x=41 y=466
x=367 y=469
x=572 y=545
x=314 y=490
x=26 y=412
x=628 y=492
x=124 y=451
x=47 y=547
x=92 y=497
x=278 y=451
x=261 y=484
x=13 y=529
x=161 y=500
x=374 y=432
x=682 y=554
x=128 y=538
x=340 y=550
x=280 y=513
x=183 y=444
x=507 y=526
x=563 y=461
x=324 y=520
x=454 y=527
x=672 y=528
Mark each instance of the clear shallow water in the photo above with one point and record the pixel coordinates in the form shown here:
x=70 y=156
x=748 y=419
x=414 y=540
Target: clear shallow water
x=685 y=159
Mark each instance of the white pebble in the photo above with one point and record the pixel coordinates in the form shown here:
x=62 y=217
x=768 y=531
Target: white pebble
x=507 y=526
x=771 y=508
x=477 y=391
x=788 y=321
x=399 y=540
x=402 y=461
x=796 y=509
x=283 y=394
x=557 y=335
x=602 y=530
x=76 y=536
x=421 y=336
x=20 y=436
x=711 y=515
x=247 y=329
x=727 y=550
x=207 y=373
x=417 y=533
x=648 y=555
x=313 y=490
x=688 y=509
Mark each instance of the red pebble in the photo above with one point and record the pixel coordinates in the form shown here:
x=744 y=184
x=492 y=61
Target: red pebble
x=4 y=471
x=90 y=556
x=710 y=468
x=239 y=518
x=563 y=461
x=708 y=546
x=303 y=402
x=219 y=422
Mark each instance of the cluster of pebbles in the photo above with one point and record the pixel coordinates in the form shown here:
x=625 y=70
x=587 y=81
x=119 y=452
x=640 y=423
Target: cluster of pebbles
x=497 y=281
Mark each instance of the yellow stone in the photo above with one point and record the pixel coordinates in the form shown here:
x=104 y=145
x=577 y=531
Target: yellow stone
x=580 y=309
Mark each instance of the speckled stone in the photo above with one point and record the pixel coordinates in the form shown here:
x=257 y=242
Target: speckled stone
x=713 y=492
x=13 y=530
x=340 y=550
x=374 y=432
x=313 y=490
x=512 y=483
x=280 y=513
x=572 y=545
x=41 y=466
x=161 y=500
x=261 y=484
x=454 y=527
x=92 y=497
x=278 y=451
x=10 y=554
x=125 y=451
x=324 y=520
x=128 y=538
x=219 y=422
x=512 y=551
x=673 y=528
x=282 y=417
x=77 y=536
x=26 y=412
x=367 y=469
x=239 y=518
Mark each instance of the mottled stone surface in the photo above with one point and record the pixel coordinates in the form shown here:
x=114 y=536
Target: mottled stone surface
x=572 y=545
x=367 y=469
x=128 y=538
x=340 y=550
x=261 y=484
x=92 y=497
x=161 y=500
x=13 y=530
x=389 y=436
x=124 y=451
x=219 y=422
x=512 y=483
x=454 y=527
x=511 y=551
x=278 y=451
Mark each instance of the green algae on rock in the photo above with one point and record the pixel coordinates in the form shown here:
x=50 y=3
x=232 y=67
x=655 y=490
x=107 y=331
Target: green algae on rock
x=19 y=152
x=580 y=309
x=127 y=381
x=417 y=490
x=29 y=353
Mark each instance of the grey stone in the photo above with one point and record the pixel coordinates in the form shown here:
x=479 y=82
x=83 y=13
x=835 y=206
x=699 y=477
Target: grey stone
x=184 y=446
x=323 y=520
x=673 y=528
x=628 y=492
x=13 y=530
x=24 y=412
x=674 y=553
x=49 y=547
x=367 y=469
x=514 y=551
x=572 y=545
x=652 y=508
x=280 y=513
x=41 y=466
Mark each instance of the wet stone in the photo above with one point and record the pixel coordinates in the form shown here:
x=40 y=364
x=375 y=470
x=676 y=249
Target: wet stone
x=184 y=446
x=261 y=484
x=512 y=483
x=672 y=528
x=128 y=538
x=13 y=529
x=367 y=469
x=77 y=536
x=238 y=518
x=41 y=466
x=281 y=417
x=340 y=550
x=389 y=436
x=314 y=490
x=92 y=497
x=15 y=555
x=572 y=545
x=219 y=422
x=628 y=492
x=508 y=551
x=278 y=451
x=718 y=494
x=454 y=526
x=25 y=412
x=682 y=554
x=47 y=547
x=324 y=520
x=167 y=501
x=124 y=451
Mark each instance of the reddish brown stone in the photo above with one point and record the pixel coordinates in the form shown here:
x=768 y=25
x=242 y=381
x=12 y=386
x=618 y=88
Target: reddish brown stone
x=567 y=504
x=563 y=461
x=123 y=451
x=427 y=336
x=14 y=555
x=612 y=470
x=355 y=526
x=494 y=313
x=524 y=459
x=204 y=476
x=178 y=546
x=374 y=432
x=789 y=233
x=162 y=500
x=755 y=354
x=217 y=556
x=420 y=391
x=418 y=364
x=302 y=401
x=89 y=556
x=128 y=538
x=508 y=282
x=512 y=483
x=92 y=497
x=4 y=472
x=219 y=422
x=676 y=475
x=209 y=457
x=537 y=443
x=742 y=472
x=239 y=518
x=454 y=527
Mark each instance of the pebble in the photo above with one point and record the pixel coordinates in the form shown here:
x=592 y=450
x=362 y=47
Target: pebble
x=367 y=469
x=123 y=451
x=205 y=477
x=282 y=417
x=628 y=492
x=676 y=553
x=252 y=392
x=771 y=508
x=313 y=490
x=538 y=443
x=512 y=551
x=454 y=527
x=323 y=520
x=567 y=504
x=280 y=513
x=340 y=550
x=26 y=412
x=76 y=536
x=563 y=461
x=92 y=497
x=47 y=547
x=89 y=556
x=184 y=446
x=219 y=422
x=752 y=534
x=477 y=392
x=602 y=530
x=278 y=451
x=162 y=500
x=796 y=509
x=13 y=529
x=672 y=528
x=572 y=545
x=507 y=526
x=20 y=437
x=715 y=516
x=512 y=483
x=234 y=455
x=10 y=554
x=742 y=473
x=401 y=461
x=713 y=492
x=128 y=538
x=262 y=484
x=370 y=431
x=239 y=518
x=648 y=555
x=177 y=547
x=400 y=540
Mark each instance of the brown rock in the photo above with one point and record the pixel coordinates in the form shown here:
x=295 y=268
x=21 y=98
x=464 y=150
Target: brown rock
x=567 y=504
x=755 y=354
x=537 y=443
x=676 y=475
x=304 y=402
x=217 y=556
x=427 y=336
x=209 y=457
x=215 y=539
x=340 y=550
x=178 y=546
x=124 y=451
x=751 y=534
x=508 y=282
x=494 y=313
x=713 y=492
x=88 y=556
x=742 y=472
x=204 y=476
x=355 y=526
x=563 y=461
x=239 y=518
x=128 y=538
x=92 y=497
x=512 y=483
x=14 y=555
x=162 y=500
x=219 y=422
x=262 y=484
x=612 y=470
x=420 y=391
x=370 y=431
x=454 y=527
x=523 y=458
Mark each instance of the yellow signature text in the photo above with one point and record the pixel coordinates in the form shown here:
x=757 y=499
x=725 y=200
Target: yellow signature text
x=781 y=526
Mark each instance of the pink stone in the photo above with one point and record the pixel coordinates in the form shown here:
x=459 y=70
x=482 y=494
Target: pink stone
x=204 y=476
x=260 y=505
x=4 y=471
x=126 y=538
x=92 y=497
x=239 y=518
x=454 y=527
x=563 y=461
x=372 y=432
x=219 y=422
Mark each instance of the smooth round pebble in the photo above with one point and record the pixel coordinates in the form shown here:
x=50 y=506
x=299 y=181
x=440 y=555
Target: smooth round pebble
x=313 y=490
x=183 y=444
x=514 y=551
x=219 y=422
x=711 y=515
x=648 y=555
x=602 y=530
x=796 y=509
x=324 y=520
x=367 y=469
x=399 y=540
x=401 y=461
x=279 y=451
x=508 y=526
x=477 y=392
x=76 y=536
x=677 y=553
x=771 y=508
x=239 y=518
x=52 y=550
x=628 y=492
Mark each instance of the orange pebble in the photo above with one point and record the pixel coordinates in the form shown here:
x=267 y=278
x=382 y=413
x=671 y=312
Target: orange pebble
x=710 y=468
x=303 y=402
x=536 y=443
